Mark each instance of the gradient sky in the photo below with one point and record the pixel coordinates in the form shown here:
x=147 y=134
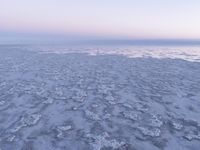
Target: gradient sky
x=141 y=19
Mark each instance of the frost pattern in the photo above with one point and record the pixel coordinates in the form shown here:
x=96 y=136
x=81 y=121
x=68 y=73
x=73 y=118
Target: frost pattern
x=99 y=98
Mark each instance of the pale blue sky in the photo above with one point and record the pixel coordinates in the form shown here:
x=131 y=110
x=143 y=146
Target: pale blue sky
x=141 y=19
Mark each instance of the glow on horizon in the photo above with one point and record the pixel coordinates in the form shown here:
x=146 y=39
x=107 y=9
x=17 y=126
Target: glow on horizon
x=107 y=18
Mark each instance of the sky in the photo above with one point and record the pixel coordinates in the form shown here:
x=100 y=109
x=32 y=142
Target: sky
x=119 y=19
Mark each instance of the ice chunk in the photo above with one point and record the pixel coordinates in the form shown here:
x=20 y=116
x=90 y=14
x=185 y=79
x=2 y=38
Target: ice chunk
x=153 y=132
x=131 y=115
x=109 y=98
x=11 y=138
x=62 y=129
x=32 y=119
x=106 y=116
x=48 y=101
x=141 y=107
x=177 y=125
x=155 y=121
x=192 y=136
x=91 y=115
x=127 y=105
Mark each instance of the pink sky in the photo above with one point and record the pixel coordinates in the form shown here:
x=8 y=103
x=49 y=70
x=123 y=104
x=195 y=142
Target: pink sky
x=107 y=18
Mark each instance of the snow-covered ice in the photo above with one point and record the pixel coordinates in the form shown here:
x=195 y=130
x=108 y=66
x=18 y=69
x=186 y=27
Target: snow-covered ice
x=99 y=98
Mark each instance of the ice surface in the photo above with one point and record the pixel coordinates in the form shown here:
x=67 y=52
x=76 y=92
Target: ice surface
x=101 y=141
x=62 y=129
x=131 y=98
x=155 y=132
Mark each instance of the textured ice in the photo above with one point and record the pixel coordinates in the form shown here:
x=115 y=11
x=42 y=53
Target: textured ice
x=153 y=132
x=131 y=98
x=192 y=135
x=91 y=115
x=2 y=103
x=79 y=96
x=26 y=120
x=62 y=129
x=103 y=141
x=49 y=101
x=177 y=125
x=131 y=115
x=11 y=138
x=155 y=121
x=32 y=119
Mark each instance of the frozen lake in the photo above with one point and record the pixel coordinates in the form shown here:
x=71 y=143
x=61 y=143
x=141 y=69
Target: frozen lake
x=99 y=98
